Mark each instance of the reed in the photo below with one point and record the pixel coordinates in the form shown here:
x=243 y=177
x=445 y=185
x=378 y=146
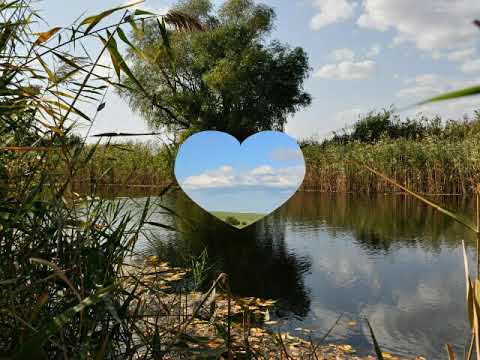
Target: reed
x=427 y=155
x=71 y=283
x=64 y=288
x=472 y=283
x=120 y=165
x=440 y=160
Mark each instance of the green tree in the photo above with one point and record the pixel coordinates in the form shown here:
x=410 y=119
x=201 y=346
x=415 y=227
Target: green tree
x=232 y=220
x=228 y=77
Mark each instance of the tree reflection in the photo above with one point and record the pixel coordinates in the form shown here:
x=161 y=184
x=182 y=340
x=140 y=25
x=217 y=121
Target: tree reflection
x=379 y=223
x=256 y=258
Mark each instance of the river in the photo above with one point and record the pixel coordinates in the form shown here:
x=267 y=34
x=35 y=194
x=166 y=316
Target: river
x=387 y=258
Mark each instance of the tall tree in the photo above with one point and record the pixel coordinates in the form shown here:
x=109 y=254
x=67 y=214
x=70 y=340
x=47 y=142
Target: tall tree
x=229 y=77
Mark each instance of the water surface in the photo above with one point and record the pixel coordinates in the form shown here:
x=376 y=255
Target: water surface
x=386 y=258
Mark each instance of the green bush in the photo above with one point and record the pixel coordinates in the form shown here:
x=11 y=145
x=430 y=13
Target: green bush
x=232 y=220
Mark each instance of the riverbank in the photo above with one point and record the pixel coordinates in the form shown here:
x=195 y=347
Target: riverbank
x=426 y=155
x=432 y=165
x=214 y=324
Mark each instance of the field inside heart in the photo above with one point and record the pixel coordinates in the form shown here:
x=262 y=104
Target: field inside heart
x=239 y=183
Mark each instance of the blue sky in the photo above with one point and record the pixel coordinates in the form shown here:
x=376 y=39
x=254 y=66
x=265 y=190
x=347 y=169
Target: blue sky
x=257 y=177
x=364 y=54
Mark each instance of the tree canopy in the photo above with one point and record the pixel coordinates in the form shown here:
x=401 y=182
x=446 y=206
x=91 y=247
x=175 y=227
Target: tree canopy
x=229 y=77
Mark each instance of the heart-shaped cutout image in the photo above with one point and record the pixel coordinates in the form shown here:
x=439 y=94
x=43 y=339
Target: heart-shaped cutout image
x=239 y=183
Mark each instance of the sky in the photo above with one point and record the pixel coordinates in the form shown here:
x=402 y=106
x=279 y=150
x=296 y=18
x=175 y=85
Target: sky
x=364 y=55
x=257 y=176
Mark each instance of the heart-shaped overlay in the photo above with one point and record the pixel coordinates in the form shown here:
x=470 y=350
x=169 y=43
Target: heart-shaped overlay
x=239 y=183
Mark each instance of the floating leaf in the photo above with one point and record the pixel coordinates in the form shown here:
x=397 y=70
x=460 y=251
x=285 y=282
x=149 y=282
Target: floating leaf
x=140 y=12
x=51 y=76
x=68 y=108
x=166 y=40
x=115 y=56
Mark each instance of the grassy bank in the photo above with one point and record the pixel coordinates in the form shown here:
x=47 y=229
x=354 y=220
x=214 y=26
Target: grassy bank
x=135 y=164
x=426 y=155
x=239 y=220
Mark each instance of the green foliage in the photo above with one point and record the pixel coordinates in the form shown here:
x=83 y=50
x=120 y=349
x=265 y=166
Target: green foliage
x=375 y=125
x=227 y=77
x=127 y=164
x=63 y=288
x=200 y=269
x=232 y=221
x=425 y=155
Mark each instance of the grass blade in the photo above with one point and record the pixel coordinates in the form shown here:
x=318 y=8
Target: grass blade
x=33 y=346
x=376 y=347
x=451 y=354
x=59 y=273
x=44 y=36
x=93 y=20
x=455 y=216
x=470 y=91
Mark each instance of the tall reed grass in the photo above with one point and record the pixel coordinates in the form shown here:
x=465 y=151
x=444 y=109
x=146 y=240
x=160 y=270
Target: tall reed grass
x=472 y=294
x=64 y=290
x=445 y=161
x=427 y=155
x=128 y=164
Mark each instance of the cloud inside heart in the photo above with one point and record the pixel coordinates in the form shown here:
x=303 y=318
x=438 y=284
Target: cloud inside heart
x=261 y=176
x=222 y=175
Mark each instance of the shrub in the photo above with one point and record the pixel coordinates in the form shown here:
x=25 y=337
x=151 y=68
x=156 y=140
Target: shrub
x=232 y=221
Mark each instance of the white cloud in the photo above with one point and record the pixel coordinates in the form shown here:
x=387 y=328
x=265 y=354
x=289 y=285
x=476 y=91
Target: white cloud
x=344 y=54
x=436 y=55
x=331 y=11
x=263 y=170
x=261 y=176
x=374 y=51
x=427 y=85
x=222 y=177
x=430 y=24
x=424 y=86
x=471 y=66
x=347 y=70
x=461 y=55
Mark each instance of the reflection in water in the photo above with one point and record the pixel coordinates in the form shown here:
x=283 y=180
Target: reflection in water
x=256 y=258
x=387 y=258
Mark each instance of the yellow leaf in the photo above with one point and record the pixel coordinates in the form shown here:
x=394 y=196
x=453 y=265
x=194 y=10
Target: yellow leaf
x=215 y=343
x=346 y=348
x=153 y=260
x=44 y=36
